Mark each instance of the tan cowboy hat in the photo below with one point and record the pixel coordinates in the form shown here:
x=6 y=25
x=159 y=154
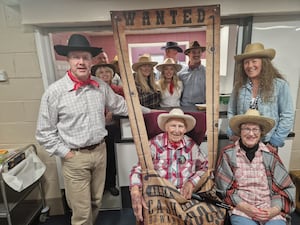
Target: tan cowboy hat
x=77 y=42
x=115 y=59
x=251 y=116
x=162 y=118
x=169 y=62
x=256 y=50
x=143 y=60
x=194 y=45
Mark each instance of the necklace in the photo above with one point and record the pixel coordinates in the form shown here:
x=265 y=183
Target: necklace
x=254 y=101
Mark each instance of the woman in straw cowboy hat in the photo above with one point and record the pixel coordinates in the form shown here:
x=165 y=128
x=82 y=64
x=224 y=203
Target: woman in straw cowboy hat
x=260 y=85
x=251 y=177
x=176 y=157
x=147 y=89
x=169 y=84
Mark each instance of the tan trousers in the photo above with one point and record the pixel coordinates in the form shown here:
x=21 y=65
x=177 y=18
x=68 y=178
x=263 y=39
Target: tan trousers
x=84 y=178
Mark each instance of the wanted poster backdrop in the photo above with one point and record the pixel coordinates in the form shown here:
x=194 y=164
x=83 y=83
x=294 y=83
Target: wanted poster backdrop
x=165 y=204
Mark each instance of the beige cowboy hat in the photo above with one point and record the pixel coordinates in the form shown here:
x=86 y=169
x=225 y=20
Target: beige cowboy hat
x=169 y=62
x=251 y=116
x=115 y=60
x=143 y=60
x=256 y=50
x=162 y=118
x=194 y=45
x=77 y=42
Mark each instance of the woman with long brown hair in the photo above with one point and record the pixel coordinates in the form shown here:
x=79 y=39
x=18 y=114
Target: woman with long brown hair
x=260 y=86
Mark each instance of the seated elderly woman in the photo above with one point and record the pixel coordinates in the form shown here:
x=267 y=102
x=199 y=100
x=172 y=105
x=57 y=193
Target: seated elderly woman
x=176 y=157
x=251 y=177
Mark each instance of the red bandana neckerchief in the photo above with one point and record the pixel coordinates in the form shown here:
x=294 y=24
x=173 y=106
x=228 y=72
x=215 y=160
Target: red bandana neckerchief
x=175 y=145
x=79 y=83
x=192 y=67
x=171 y=88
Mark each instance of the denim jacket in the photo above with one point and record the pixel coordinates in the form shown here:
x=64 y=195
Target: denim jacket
x=280 y=108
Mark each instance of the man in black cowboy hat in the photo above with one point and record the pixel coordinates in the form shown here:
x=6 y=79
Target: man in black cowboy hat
x=71 y=125
x=171 y=51
x=193 y=77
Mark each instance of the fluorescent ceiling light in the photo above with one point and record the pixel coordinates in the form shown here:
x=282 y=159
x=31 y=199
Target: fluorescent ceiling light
x=276 y=27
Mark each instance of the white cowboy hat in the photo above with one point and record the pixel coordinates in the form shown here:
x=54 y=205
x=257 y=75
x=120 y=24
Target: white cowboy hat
x=143 y=60
x=251 y=116
x=77 y=42
x=162 y=118
x=169 y=62
x=256 y=50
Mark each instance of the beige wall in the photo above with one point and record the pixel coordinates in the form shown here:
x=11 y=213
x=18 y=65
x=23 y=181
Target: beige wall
x=20 y=95
x=41 y=12
x=295 y=157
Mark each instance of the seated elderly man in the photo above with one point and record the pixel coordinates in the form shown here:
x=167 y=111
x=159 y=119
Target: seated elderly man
x=176 y=157
x=251 y=177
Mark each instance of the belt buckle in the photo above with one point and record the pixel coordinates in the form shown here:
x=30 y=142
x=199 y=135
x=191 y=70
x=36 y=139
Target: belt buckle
x=91 y=147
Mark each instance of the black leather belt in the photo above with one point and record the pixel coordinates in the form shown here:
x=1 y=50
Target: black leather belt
x=90 y=147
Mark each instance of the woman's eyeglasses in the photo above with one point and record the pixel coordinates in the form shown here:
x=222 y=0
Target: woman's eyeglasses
x=247 y=130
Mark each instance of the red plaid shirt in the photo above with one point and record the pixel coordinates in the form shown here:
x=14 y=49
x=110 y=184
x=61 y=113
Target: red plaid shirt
x=178 y=164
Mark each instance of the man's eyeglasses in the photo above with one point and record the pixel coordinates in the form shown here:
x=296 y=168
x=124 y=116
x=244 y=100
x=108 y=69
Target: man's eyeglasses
x=247 y=130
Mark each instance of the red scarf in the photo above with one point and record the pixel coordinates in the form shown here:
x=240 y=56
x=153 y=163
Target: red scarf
x=171 y=88
x=78 y=83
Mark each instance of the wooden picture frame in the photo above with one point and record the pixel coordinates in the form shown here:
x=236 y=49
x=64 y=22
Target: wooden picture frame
x=124 y=22
x=160 y=193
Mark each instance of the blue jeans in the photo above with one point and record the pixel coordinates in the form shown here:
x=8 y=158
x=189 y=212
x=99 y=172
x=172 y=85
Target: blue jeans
x=238 y=220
